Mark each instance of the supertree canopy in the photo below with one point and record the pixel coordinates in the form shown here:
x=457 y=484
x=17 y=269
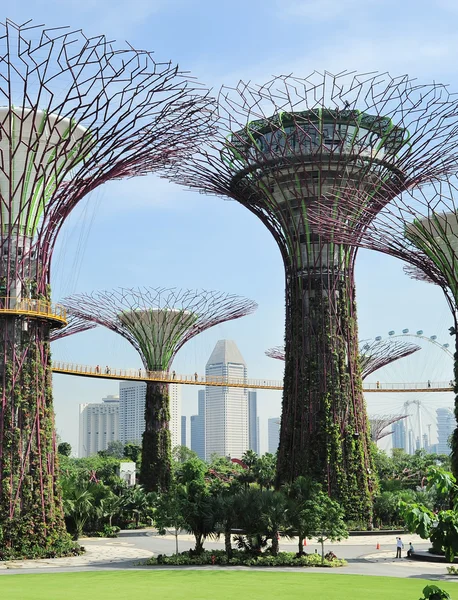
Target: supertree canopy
x=420 y=227
x=75 y=113
x=290 y=149
x=74 y=325
x=157 y=322
x=373 y=355
x=379 y=424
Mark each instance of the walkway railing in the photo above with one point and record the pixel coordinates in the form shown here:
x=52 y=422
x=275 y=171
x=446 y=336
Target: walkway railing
x=196 y=379
x=34 y=308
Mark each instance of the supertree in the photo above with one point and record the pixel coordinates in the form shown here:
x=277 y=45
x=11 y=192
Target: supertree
x=74 y=325
x=379 y=424
x=75 y=113
x=157 y=322
x=280 y=149
x=373 y=355
x=419 y=227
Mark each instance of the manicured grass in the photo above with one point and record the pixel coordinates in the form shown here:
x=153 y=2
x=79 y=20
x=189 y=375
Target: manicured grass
x=207 y=585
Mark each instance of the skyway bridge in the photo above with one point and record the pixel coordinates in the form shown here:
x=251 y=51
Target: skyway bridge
x=107 y=372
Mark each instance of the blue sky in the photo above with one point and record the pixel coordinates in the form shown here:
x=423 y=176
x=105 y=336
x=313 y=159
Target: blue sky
x=148 y=232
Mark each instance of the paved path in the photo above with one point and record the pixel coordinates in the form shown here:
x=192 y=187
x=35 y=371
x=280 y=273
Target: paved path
x=131 y=549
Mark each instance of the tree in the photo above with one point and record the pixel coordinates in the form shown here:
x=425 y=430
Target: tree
x=226 y=511
x=78 y=502
x=167 y=510
x=325 y=519
x=137 y=503
x=183 y=453
x=301 y=490
x=64 y=449
x=132 y=451
x=115 y=449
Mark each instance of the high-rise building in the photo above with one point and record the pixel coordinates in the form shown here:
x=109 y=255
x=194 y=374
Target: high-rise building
x=446 y=424
x=198 y=427
x=183 y=430
x=98 y=425
x=132 y=412
x=253 y=422
x=226 y=408
x=273 y=434
x=399 y=434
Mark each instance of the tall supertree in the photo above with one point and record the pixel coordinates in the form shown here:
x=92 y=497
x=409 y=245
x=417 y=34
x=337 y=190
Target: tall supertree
x=421 y=228
x=75 y=113
x=373 y=355
x=281 y=149
x=158 y=322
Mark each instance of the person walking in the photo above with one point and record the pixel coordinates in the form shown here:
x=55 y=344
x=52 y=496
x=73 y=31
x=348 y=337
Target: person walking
x=399 y=547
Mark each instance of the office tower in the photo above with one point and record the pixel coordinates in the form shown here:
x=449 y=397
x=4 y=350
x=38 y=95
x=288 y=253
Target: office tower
x=183 y=430
x=226 y=408
x=253 y=422
x=399 y=434
x=132 y=412
x=98 y=425
x=445 y=426
x=198 y=427
x=273 y=434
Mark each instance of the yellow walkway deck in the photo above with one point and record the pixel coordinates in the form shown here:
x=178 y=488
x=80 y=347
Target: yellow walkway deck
x=196 y=379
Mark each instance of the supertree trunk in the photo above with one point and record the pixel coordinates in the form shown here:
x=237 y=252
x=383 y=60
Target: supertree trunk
x=155 y=472
x=454 y=440
x=324 y=432
x=30 y=506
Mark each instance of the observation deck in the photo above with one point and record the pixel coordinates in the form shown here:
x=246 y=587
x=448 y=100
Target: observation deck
x=215 y=381
x=39 y=309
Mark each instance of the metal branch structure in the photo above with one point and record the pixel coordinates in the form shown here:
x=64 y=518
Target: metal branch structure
x=290 y=150
x=373 y=355
x=157 y=322
x=74 y=325
x=379 y=424
x=75 y=112
x=419 y=227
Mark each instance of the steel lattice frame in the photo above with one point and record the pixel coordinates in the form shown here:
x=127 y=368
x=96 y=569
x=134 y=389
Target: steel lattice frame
x=157 y=322
x=74 y=325
x=379 y=423
x=421 y=228
x=372 y=355
x=282 y=148
x=76 y=112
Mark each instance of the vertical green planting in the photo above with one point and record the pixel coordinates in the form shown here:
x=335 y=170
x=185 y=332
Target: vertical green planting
x=155 y=471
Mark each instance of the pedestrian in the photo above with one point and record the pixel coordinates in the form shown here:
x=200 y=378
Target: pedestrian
x=173 y=374
x=429 y=383
x=139 y=372
x=378 y=385
x=107 y=370
x=410 y=550
x=196 y=377
x=97 y=369
x=399 y=547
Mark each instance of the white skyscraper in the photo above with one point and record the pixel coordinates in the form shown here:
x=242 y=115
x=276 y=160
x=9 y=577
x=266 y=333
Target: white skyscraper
x=98 y=425
x=273 y=433
x=226 y=408
x=132 y=412
x=446 y=424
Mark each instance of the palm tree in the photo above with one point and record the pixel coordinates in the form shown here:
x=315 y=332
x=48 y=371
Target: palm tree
x=136 y=503
x=226 y=510
x=301 y=490
x=78 y=502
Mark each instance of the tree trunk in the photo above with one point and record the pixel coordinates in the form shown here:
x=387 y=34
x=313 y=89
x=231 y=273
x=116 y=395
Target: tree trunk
x=199 y=543
x=176 y=541
x=156 y=466
x=275 y=543
x=228 y=542
x=30 y=501
x=324 y=429
x=301 y=546
x=322 y=550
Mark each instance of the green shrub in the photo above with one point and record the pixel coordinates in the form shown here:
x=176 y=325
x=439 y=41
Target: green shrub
x=239 y=558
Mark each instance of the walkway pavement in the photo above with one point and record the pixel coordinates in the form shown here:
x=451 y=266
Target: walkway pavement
x=131 y=549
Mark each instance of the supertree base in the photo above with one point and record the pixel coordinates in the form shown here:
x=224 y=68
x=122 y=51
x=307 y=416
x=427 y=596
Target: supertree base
x=31 y=515
x=156 y=466
x=324 y=430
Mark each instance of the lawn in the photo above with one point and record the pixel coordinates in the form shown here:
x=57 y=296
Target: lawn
x=207 y=585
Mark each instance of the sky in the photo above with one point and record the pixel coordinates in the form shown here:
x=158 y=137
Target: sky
x=147 y=231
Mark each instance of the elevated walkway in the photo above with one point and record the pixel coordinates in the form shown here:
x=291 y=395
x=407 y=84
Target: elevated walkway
x=39 y=309
x=196 y=379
